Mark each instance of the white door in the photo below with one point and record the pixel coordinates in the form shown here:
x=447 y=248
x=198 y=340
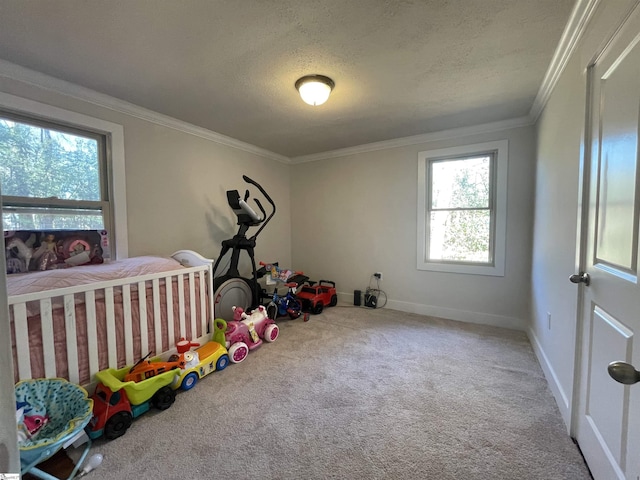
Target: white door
x=608 y=417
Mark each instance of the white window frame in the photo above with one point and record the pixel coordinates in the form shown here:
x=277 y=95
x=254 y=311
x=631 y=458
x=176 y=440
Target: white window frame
x=499 y=209
x=115 y=138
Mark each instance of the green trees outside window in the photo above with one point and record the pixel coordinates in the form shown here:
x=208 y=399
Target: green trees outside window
x=460 y=210
x=50 y=178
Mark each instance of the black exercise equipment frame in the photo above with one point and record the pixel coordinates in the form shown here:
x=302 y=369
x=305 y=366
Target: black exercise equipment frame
x=246 y=219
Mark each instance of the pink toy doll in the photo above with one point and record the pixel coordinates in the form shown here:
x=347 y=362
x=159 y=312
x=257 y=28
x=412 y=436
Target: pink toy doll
x=46 y=255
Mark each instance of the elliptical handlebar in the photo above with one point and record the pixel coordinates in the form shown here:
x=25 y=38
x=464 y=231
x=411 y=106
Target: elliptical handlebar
x=260 y=207
x=269 y=199
x=250 y=211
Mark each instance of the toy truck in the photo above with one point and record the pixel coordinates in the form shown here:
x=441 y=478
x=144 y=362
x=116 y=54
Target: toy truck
x=116 y=401
x=316 y=297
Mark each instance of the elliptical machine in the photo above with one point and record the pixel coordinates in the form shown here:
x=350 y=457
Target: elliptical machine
x=230 y=289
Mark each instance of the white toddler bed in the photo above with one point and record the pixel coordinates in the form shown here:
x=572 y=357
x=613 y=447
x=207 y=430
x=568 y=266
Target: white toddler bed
x=74 y=322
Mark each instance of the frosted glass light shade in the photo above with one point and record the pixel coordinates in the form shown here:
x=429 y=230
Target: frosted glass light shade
x=315 y=89
x=315 y=93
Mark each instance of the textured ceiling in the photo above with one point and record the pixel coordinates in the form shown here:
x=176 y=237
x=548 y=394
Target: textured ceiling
x=401 y=67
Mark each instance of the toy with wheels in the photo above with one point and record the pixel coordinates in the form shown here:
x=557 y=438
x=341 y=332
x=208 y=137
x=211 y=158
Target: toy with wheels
x=287 y=305
x=117 y=401
x=144 y=368
x=246 y=333
x=231 y=288
x=280 y=306
x=67 y=409
x=208 y=358
x=315 y=297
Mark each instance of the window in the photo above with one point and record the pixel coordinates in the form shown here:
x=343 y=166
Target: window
x=52 y=177
x=462 y=209
x=115 y=398
x=60 y=170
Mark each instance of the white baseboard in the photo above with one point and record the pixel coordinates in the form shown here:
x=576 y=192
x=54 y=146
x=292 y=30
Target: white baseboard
x=558 y=392
x=449 y=313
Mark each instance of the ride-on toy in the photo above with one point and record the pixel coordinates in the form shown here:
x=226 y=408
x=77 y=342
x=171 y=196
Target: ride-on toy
x=191 y=365
x=315 y=297
x=246 y=332
x=196 y=364
x=287 y=305
x=231 y=288
x=116 y=401
x=122 y=395
x=280 y=306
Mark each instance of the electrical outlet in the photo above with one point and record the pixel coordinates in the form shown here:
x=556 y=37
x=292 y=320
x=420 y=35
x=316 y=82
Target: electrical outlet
x=378 y=275
x=549 y=320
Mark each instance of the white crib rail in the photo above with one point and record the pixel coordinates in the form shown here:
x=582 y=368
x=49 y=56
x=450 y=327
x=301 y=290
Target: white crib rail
x=195 y=275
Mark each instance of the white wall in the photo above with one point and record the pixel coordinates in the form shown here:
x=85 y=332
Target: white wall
x=554 y=251
x=560 y=132
x=356 y=215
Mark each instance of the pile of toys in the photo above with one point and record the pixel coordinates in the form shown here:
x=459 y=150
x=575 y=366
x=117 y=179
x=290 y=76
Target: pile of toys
x=33 y=250
x=278 y=305
x=124 y=394
x=303 y=295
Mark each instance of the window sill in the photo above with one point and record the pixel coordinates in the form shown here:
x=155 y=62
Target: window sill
x=467 y=269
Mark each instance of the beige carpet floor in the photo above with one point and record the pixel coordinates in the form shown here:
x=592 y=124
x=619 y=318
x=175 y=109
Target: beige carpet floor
x=357 y=393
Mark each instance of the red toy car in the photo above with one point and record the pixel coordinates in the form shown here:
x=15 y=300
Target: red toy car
x=315 y=297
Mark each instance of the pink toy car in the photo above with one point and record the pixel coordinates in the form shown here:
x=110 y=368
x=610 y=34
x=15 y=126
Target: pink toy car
x=246 y=332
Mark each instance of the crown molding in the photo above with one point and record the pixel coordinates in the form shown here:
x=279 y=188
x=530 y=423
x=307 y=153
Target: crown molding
x=47 y=82
x=576 y=25
x=418 y=139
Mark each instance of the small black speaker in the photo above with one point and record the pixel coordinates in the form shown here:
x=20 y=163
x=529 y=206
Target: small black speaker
x=357 y=300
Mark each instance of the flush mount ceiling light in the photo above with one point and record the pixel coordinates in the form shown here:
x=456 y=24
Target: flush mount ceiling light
x=315 y=89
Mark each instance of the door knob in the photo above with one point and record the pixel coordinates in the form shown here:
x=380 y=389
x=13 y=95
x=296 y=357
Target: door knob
x=623 y=372
x=581 y=277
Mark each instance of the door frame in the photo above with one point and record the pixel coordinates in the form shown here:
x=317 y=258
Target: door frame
x=584 y=180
